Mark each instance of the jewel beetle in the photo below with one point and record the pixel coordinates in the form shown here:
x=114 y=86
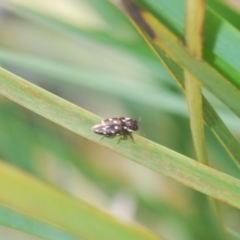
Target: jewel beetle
x=112 y=127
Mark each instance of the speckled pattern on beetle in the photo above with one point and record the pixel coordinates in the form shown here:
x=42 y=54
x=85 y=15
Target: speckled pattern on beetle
x=112 y=127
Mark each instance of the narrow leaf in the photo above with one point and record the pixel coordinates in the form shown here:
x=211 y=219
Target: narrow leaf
x=147 y=153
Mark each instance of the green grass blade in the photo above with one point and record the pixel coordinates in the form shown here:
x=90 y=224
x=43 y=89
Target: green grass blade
x=211 y=79
x=218 y=33
x=210 y=116
x=85 y=77
x=13 y=219
x=149 y=154
x=54 y=207
x=193 y=88
x=195 y=12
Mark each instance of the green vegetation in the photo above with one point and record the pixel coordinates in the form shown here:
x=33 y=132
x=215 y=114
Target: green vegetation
x=65 y=66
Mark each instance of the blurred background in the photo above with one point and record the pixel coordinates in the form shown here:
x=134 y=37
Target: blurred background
x=87 y=52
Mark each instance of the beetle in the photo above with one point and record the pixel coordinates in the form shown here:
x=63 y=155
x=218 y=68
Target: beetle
x=116 y=126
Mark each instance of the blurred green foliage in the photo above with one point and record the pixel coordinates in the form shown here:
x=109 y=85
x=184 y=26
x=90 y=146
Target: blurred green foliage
x=88 y=53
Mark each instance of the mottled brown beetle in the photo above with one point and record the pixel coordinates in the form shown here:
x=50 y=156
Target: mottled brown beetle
x=112 y=127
